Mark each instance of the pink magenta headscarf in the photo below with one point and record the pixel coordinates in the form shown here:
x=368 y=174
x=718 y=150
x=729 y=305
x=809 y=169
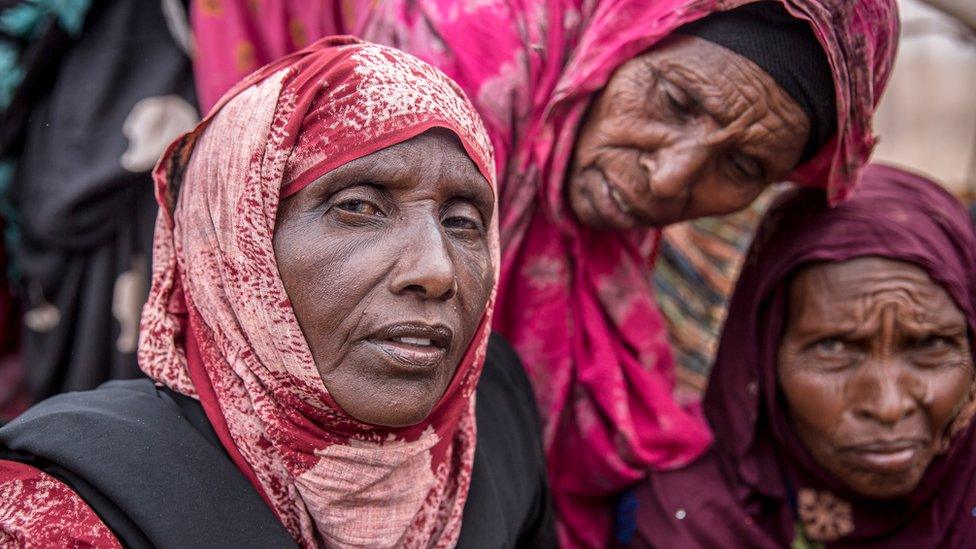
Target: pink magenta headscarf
x=219 y=326
x=578 y=305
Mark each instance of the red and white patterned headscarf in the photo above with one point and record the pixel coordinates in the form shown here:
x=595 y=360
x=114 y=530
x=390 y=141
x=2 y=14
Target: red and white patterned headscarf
x=219 y=326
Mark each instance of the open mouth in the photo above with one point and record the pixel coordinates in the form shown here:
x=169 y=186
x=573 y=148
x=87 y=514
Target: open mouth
x=415 y=341
x=414 y=346
x=606 y=201
x=619 y=200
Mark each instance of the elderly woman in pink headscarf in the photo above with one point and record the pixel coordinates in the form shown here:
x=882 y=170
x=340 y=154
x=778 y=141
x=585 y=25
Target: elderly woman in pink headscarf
x=611 y=119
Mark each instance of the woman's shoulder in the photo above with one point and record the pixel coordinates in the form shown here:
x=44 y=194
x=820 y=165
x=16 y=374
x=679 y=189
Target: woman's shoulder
x=504 y=376
x=38 y=510
x=508 y=500
x=505 y=408
x=693 y=506
x=144 y=459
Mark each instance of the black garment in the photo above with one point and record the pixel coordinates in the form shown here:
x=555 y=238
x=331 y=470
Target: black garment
x=150 y=465
x=85 y=217
x=508 y=505
x=37 y=48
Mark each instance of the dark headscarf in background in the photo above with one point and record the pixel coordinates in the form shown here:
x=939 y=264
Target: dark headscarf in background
x=758 y=478
x=87 y=121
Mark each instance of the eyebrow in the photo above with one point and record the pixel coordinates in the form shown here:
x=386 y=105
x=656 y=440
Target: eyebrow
x=380 y=172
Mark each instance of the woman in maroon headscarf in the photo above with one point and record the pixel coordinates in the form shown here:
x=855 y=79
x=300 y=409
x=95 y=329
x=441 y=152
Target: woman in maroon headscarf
x=610 y=119
x=842 y=396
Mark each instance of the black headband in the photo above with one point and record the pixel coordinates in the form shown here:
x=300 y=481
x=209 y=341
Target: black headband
x=786 y=48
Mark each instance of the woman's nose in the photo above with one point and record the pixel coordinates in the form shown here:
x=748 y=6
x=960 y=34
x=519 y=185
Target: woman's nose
x=424 y=266
x=673 y=171
x=884 y=396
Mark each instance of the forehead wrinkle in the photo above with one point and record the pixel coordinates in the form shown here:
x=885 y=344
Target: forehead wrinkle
x=713 y=92
x=871 y=287
x=876 y=310
x=901 y=316
x=432 y=160
x=455 y=167
x=383 y=164
x=806 y=288
x=394 y=164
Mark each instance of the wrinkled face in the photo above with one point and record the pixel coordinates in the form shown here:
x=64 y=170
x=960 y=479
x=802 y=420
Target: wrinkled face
x=387 y=264
x=875 y=363
x=686 y=130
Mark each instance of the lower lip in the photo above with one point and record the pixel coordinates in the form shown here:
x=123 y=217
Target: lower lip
x=886 y=462
x=414 y=358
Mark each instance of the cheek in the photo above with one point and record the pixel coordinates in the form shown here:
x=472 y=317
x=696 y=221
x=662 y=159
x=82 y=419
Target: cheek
x=719 y=196
x=328 y=280
x=623 y=168
x=949 y=390
x=816 y=400
x=475 y=279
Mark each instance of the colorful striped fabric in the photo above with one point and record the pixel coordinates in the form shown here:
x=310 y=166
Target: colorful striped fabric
x=697 y=267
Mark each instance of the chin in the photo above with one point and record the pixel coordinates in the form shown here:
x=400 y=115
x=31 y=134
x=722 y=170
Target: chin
x=394 y=408
x=885 y=486
x=393 y=417
x=405 y=418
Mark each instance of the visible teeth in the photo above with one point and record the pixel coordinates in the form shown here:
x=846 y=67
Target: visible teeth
x=413 y=341
x=621 y=203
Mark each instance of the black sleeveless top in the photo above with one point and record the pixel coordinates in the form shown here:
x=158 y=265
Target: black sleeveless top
x=147 y=461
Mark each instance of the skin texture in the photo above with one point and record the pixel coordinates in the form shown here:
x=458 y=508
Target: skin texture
x=875 y=363
x=390 y=245
x=685 y=130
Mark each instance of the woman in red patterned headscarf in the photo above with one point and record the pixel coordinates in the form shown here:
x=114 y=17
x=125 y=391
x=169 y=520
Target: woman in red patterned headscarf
x=324 y=276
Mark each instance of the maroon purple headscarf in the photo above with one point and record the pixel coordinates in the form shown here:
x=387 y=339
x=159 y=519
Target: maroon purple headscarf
x=758 y=479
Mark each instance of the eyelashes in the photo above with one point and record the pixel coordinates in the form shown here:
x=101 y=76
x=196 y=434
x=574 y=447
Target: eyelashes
x=678 y=100
x=355 y=207
x=360 y=206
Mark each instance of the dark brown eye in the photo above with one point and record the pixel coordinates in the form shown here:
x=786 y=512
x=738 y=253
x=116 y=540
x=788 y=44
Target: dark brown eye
x=934 y=342
x=458 y=222
x=461 y=215
x=359 y=206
